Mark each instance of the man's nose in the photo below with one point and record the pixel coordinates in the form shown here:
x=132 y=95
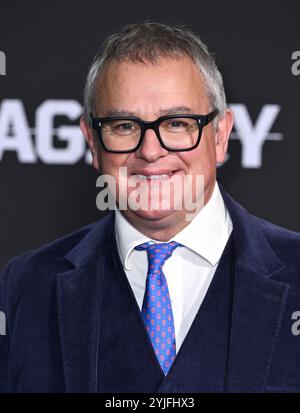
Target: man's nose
x=150 y=149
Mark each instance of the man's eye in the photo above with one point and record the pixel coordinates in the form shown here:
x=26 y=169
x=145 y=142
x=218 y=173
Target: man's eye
x=177 y=124
x=124 y=127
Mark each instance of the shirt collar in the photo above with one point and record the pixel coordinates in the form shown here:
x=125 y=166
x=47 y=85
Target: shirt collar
x=128 y=237
x=206 y=234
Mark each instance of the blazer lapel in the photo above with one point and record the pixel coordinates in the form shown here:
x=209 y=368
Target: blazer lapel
x=257 y=311
x=78 y=300
x=258 y=303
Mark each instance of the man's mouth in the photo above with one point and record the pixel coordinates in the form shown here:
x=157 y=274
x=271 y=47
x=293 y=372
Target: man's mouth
x=155 y=176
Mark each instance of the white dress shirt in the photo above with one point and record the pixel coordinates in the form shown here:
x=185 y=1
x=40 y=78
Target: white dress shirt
x=190 y=269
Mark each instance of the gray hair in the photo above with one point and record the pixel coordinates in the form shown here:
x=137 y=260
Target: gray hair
x=147 y=42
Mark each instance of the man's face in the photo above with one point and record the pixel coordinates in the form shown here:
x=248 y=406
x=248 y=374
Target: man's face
x=148 y=91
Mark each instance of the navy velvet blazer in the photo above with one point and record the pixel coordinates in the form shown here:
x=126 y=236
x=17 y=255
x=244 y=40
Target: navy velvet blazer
x=51 y=298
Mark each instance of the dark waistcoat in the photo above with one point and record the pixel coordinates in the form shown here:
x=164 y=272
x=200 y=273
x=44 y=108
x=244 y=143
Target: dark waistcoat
x=127 y=362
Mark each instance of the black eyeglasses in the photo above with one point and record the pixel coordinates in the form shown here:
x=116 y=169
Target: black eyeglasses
x=177 y=133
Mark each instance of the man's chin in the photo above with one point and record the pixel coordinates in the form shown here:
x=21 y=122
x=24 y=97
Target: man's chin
x=158 y=215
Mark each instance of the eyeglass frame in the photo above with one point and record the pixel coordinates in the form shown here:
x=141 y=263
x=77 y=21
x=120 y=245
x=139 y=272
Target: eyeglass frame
x=203 y=120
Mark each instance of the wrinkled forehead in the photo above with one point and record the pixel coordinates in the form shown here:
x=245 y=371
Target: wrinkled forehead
x=167 y=82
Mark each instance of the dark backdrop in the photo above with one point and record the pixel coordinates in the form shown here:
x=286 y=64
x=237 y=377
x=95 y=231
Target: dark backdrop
x=48 y=187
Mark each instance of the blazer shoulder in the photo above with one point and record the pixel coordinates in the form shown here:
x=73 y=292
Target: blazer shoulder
x=285 y=242
x=51 y=250
x=49 y=258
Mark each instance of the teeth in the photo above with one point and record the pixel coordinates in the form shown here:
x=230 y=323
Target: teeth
x=163 y=176
x=158 y=176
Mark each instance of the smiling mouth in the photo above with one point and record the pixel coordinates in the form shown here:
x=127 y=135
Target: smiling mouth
x=155 y=177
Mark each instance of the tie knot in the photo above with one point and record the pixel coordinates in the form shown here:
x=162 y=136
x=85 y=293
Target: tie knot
x=158 y=253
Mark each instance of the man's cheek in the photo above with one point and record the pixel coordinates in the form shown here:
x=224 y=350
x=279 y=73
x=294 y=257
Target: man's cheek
x=106 y=163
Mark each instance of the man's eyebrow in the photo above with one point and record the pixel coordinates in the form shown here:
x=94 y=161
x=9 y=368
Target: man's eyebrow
x=118 y=112
x=168 y=111
x=174 y=110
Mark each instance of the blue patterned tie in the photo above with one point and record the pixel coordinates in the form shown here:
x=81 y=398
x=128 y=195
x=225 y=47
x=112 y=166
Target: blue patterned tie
x=157 y=310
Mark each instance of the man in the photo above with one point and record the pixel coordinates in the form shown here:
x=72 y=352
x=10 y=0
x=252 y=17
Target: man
x=147 y=300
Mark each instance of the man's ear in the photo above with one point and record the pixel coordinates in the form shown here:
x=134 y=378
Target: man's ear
x=91 y=140
x=222 y=134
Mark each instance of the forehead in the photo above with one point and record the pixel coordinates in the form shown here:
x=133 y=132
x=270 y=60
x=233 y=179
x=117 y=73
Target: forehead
x=147 y=87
